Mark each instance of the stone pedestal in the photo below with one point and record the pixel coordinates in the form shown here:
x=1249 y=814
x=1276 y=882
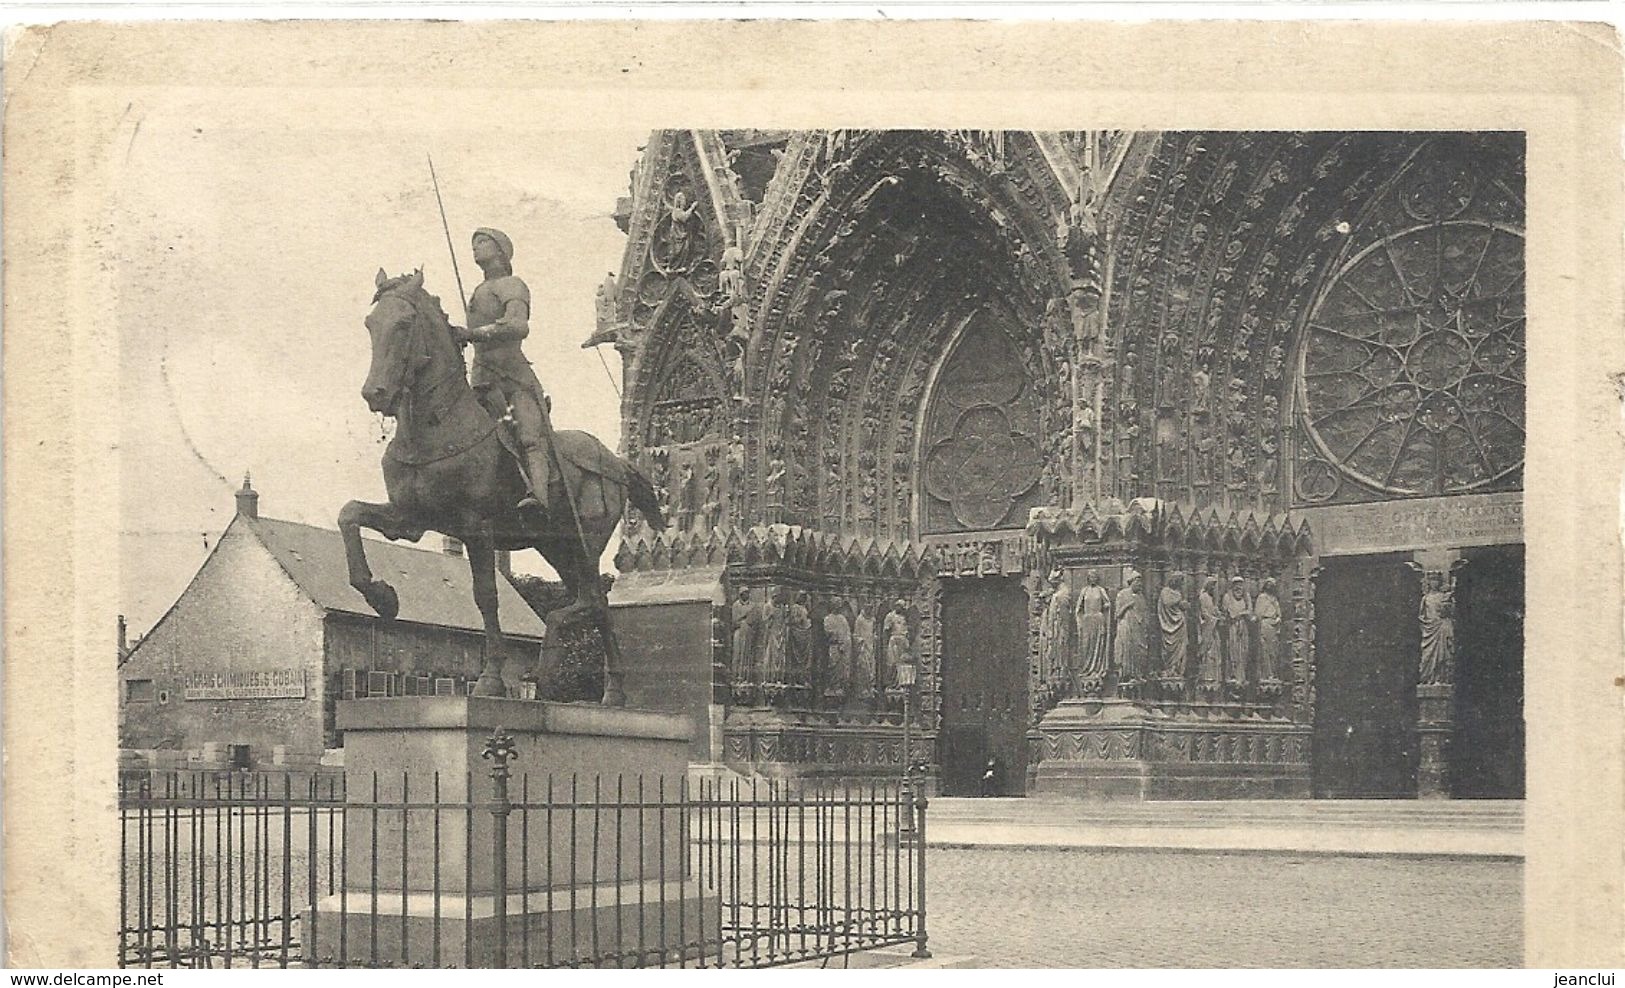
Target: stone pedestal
x=1122 y=749
x=1435 y=723
x=420 y=834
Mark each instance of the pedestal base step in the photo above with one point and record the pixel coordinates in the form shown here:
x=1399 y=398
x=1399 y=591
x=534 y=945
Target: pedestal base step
x=1142 y=780
x=633 y=924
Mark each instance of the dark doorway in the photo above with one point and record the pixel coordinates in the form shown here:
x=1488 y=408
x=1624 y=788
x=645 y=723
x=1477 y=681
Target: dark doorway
x=1486 y=755
x=984 y=687
x=1367 y=642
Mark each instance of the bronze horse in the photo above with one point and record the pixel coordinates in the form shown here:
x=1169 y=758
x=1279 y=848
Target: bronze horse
x=447 y=470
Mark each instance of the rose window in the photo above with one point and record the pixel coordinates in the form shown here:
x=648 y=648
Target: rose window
x=1412 y=379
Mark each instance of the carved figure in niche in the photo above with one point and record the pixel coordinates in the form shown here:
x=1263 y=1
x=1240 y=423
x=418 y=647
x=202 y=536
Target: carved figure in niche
x=895 y=631
x=734 y=303
x=1125 y=378
x=1267 y=612
x=736 y=475
x=800 y=621
x=662 y=474
x=686 y=498
x=987 y=559
x=1438 y=617
x=863 y=650
x=774 y=481
x=776 y=635
x=746 y=620
x=1237 y=398
x=1274 y=362
x=673 y=245
x=1204 y=455
x=605 y=329
x=1236 y=615
x=1084 y=427
x=1056 y=631
x=838 y=635
x=1269 y=464
x=1130 y=649
x=1200 y=397
x=1090 y=616
x=1079 y=233
x=1171 y=617
x=711 y=508
x=1210 y=654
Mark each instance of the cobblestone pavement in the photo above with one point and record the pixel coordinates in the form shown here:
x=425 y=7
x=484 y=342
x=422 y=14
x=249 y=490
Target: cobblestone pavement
x=1074 y=908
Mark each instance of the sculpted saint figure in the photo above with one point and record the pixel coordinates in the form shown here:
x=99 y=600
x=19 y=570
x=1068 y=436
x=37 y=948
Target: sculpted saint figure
x=776 y=636
x=1236 y=614
x=746 y=618
x=1171 y=618
x=499 y=318
x=1438 y=616
x=1267 y=611
x=1055 y=642
x=605 y=329
x=731 y=286
x=863 y=650
x=680 y=211
x=1210 y=673
x=1130 y=649
x=800 y=638
x=838 y=633
x=895 y=630
x=1090 y=616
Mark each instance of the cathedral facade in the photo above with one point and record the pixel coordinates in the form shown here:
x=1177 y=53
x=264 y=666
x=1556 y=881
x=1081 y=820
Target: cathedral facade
x=1139 y=464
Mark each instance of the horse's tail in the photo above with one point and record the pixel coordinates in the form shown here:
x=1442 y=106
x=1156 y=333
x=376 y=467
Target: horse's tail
x=642 y=495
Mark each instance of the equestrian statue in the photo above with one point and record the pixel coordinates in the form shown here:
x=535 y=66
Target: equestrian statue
x=480 y=462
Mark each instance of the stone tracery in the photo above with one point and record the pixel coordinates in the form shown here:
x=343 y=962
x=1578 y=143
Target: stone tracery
x=1282 y=320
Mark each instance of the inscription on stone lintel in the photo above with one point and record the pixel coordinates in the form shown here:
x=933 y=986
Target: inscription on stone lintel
x=1465 y=520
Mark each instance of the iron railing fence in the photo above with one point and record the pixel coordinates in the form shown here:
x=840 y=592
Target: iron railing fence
x=547 y=872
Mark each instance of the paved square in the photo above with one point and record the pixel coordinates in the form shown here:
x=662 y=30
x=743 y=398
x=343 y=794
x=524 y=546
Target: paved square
x=1081 y=908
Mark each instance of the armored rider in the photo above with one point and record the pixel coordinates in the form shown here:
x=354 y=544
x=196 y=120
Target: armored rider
x=499 y=318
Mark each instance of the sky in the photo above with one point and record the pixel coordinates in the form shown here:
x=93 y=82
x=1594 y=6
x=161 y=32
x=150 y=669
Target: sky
x=248 y=245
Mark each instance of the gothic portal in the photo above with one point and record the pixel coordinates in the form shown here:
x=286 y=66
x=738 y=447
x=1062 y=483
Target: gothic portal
x=1152 y=465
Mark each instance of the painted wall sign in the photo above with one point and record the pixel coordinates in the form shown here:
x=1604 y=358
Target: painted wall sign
x=1422 y=523
x=254 y=684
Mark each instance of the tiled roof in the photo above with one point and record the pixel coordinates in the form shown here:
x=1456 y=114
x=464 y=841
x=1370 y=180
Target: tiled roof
x=434 y=588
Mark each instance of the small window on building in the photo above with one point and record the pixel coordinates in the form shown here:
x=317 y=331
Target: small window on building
x=445 y=686
x=139 y=691
x=351 y=688
x=378 y=683
x=425 y=685
x=163 y=696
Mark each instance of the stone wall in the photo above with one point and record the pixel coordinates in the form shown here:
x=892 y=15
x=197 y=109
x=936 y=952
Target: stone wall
x=242 y=617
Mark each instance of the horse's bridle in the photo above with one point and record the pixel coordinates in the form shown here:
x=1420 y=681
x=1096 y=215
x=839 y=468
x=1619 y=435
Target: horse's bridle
x=419 y=303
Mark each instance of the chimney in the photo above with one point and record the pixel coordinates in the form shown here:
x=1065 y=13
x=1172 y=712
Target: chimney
x=505 y=562
x=452 y=547
x=248 y=499
x=123 y=637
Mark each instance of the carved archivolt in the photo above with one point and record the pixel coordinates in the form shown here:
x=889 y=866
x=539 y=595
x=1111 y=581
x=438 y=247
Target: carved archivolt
x=1306 y=318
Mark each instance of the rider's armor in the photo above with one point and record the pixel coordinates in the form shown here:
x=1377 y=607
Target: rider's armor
x=498 y=315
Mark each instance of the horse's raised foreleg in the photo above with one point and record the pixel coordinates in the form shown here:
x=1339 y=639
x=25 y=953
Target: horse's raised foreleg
x=387 y=520
x=482 y=563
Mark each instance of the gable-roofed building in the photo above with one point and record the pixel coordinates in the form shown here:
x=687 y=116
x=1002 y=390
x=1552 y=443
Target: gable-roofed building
x=969 y=401
x=247 y=665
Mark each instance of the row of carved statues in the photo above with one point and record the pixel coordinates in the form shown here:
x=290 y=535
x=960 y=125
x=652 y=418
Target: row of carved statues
x=1224 y=639
x=834 y=649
